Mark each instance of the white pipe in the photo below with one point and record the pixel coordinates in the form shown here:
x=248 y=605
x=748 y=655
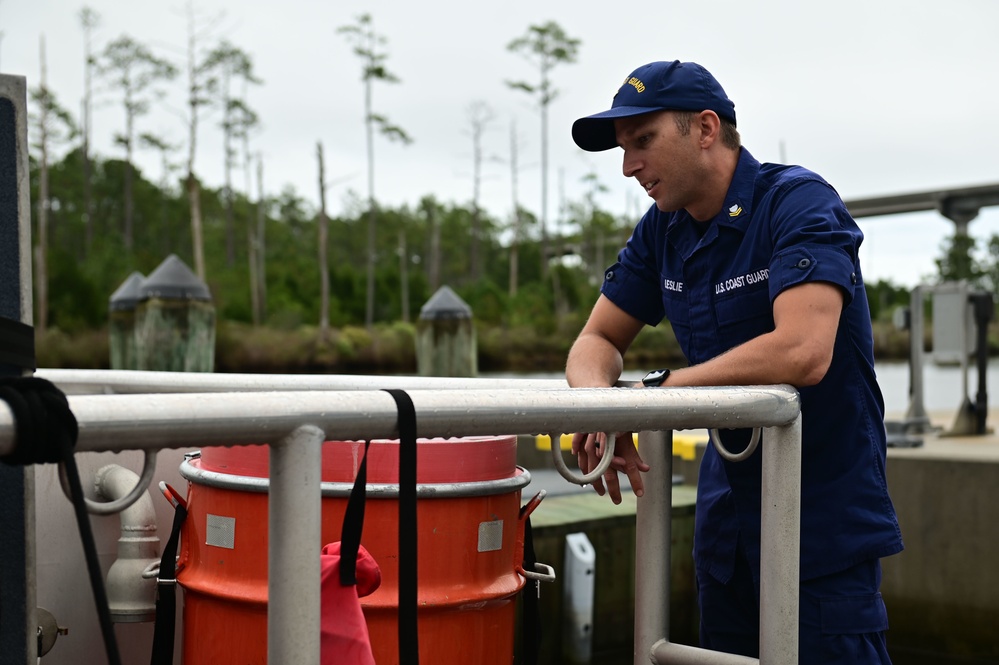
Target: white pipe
x=780 y=536
x=294 y=545
x=131 y=598
x=653 y=532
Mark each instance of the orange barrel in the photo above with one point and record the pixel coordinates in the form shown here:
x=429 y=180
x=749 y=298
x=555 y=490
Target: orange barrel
x=470 y=547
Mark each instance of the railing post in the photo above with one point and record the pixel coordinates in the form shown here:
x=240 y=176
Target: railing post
x=653 y=522
x=780 y=535
x=294 y=533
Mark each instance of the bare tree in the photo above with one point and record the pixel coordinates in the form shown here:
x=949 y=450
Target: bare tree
x=480 y=117
x=258 y=265
x=196 y=98
x=403 y=274
x=229 y=64
x=135 y=71
x=430 y=209
x=254 y=227
x=545 y=46
x=324 y=267
x=89 y=20
x=52 y=124
x=518 y=213
x=366 y=46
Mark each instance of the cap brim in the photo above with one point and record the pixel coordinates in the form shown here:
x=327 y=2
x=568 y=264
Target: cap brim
x=595 y=133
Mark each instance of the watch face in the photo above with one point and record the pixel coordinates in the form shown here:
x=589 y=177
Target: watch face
x=655 y=377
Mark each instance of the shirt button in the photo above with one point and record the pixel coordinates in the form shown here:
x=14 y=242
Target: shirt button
x=609 y=275
x=804 y=263
x=853 y=278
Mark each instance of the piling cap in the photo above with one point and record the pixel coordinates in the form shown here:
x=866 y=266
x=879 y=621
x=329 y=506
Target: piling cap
x=445 y=304
x=173 y=280
x=126 y=296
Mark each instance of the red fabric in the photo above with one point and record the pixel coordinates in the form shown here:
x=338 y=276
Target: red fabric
x=344 y=639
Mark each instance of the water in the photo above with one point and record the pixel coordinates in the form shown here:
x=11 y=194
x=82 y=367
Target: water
x=941 y=384
x=942 y=389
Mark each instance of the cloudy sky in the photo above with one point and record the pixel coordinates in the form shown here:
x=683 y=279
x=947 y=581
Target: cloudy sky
x=879 y=96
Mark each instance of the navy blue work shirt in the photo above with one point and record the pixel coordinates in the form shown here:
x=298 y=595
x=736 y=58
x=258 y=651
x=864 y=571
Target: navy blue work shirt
x=715 y=282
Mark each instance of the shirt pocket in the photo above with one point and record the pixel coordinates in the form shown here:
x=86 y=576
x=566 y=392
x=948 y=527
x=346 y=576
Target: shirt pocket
x=675 y=302
x=677 y=310
x=745 y=313
x=851 y=630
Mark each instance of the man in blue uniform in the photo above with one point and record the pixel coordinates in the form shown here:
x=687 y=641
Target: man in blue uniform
x=756 y=268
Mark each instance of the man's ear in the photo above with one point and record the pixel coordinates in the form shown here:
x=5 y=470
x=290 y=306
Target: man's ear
x=709 y=125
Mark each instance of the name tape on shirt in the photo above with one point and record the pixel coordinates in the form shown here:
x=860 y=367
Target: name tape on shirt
x=740 y=281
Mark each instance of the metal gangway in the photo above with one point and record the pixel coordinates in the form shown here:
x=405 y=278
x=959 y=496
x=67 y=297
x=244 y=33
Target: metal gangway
x=149 y=411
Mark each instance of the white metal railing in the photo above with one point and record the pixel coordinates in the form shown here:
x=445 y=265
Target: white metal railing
x=184 y=410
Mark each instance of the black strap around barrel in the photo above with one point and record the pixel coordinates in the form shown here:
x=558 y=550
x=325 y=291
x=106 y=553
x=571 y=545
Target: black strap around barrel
x=409 y=652
x=166 y=594
x=353 y=523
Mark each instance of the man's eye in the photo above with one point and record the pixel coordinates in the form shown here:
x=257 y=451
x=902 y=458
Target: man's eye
x=644 y=139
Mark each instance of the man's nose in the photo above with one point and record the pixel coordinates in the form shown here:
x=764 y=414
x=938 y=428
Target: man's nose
x=630 y=165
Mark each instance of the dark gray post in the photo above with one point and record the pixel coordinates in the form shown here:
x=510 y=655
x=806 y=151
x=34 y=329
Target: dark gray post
x=445 y=337
x=17 y=487
x=984 y=308
x=174 y=321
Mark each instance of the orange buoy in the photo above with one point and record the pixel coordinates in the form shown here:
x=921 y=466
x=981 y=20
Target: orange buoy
x=470 y=546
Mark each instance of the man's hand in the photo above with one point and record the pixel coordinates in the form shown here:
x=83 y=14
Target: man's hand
x=589 y=448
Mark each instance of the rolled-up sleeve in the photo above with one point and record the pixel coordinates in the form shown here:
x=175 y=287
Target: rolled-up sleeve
x=815 y=239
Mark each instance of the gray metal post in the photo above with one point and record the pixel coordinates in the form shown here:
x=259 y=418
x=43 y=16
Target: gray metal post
x=294 y=534
x=780 y=534
x=916 y=418
x=17 y=486
x=652 y=544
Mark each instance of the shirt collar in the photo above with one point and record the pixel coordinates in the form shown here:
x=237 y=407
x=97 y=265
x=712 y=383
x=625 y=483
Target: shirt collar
x=738 y=206
x=735 y=213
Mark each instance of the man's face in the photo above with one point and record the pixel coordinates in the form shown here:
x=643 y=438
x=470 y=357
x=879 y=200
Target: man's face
x=665 y=162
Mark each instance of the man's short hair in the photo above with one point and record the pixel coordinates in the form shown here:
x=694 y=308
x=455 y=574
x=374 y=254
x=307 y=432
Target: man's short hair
x=729 y=134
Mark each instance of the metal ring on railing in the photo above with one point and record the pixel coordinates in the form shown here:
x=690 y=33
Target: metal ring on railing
x=542 y=572
x=735 y=457
x=112 y=507
x=587 y=478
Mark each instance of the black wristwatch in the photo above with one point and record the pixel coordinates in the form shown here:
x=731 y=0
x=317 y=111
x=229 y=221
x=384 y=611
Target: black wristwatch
x=655 y=378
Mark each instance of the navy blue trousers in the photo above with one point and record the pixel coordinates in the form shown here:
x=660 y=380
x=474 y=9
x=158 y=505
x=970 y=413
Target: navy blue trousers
x=842 y=617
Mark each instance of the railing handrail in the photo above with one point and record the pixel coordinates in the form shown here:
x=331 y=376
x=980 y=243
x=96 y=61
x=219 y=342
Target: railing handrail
x=122 y=382
x=239 y=410
x=184 y=420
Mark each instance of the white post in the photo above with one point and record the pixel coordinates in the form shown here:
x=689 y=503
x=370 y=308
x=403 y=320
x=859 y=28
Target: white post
x=653 y=522
x=294 y=533
x=780 y=535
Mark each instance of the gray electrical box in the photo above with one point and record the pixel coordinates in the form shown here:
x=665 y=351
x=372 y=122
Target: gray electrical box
x=953 y=324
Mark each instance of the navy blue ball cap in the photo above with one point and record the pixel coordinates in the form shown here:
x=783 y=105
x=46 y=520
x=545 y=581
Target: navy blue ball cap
x=657 y=86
